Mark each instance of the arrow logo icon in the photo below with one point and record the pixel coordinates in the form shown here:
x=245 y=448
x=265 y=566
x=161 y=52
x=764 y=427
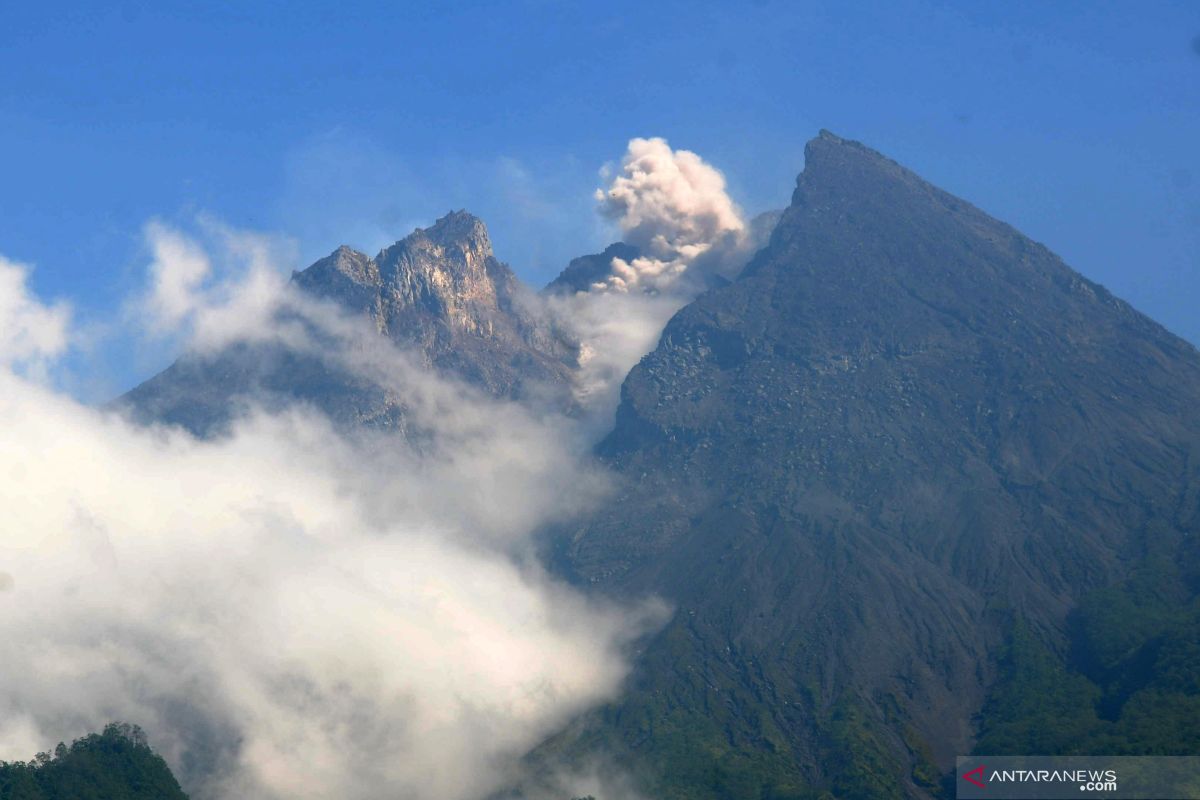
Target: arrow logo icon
x=975 y=776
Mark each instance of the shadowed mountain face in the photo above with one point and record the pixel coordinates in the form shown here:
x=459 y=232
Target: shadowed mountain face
x=903 y=433
x=440 y=294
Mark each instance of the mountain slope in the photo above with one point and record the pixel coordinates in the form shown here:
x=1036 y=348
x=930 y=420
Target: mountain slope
x=439 y=293
x=903 y=434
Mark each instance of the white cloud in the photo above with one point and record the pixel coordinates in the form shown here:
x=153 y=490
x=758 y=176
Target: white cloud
x=31 y=333
x=209 y=308
x=291 y=613
x=177 y=273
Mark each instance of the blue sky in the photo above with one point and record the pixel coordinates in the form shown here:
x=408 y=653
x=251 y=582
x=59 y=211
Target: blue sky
x=1077 y=122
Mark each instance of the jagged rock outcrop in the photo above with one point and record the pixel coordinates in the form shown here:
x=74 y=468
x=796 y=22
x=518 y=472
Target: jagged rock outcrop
x=442 y=293
x=439 y=293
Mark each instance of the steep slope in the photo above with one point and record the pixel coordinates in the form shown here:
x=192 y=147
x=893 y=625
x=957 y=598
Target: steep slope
x=439 y=293
x=904 y=441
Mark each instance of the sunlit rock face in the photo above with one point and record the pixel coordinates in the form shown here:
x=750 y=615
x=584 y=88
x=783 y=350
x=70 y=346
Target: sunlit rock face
x=439 y=294
x=442 y=291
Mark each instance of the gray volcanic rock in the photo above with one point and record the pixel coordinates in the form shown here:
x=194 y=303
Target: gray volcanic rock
x=439 y=293
x=345 y=275
x=904 y=429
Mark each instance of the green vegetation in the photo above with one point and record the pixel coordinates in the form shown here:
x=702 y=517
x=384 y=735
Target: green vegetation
x=1126 y=682
x=117 y=764
x=858 y=761
x=1128 y=685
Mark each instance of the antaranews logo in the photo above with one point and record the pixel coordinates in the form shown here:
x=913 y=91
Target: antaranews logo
x=1088 y=780
x=1053 y=777
x=975 y=776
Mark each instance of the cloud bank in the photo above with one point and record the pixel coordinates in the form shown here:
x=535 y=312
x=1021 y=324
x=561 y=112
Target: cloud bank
x=294 y=611
x=288 y=611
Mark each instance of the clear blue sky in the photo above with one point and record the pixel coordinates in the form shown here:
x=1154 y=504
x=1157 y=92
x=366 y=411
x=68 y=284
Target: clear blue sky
x=1077 y=122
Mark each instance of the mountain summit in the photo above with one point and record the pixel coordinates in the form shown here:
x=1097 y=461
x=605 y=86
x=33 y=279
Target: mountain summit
x=887 y=475
x=442 y=292
x=439 y=293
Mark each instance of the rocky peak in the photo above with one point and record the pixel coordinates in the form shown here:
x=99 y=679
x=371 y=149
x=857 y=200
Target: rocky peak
x=457 y=244
x=829 y=153
x=442 y=291
x=841 y=173
x=460 y=232
x=448 y=270
x=346 y=261
x=345 y=275
x=439 y=293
